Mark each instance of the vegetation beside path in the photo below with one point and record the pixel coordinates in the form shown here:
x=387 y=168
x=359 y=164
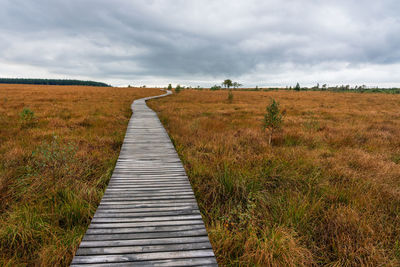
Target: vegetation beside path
x=58 y=148
x=326 y=192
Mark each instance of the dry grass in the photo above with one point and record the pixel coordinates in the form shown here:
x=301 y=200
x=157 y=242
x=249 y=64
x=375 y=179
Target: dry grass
x=55 y=165
x=327 y=192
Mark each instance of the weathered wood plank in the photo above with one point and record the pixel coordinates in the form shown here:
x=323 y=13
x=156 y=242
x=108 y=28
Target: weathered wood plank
x=135 y=197
x=145 y=214
x=144 y=224
x=152 y=189
x=171 y=204
x=204 y=262
x=143 y=248
x=144 y=256
x=141 y=201
x=195 y=234
x=128 y=210
x=148 y=229
x=144 y=219
x=127 y=199
x=158 y=182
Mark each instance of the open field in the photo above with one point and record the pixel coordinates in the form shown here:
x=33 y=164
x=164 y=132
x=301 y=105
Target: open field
x=55 y=164
x=326 y=193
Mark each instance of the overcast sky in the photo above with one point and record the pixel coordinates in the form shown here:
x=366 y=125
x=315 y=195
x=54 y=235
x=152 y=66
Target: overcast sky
x=265 y=43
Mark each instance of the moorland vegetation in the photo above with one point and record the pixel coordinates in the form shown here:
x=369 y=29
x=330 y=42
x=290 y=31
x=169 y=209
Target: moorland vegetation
x=326 y=192
x=58 y=148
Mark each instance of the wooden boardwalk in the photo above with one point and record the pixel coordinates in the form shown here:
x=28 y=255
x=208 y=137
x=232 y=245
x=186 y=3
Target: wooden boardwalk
x=148 y=215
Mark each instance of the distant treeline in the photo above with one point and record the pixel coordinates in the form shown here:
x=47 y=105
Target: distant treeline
x=359 y=89
x=51 y=82
x=342 y=88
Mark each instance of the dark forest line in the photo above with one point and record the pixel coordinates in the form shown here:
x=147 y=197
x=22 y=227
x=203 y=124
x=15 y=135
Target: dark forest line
x=51 y=82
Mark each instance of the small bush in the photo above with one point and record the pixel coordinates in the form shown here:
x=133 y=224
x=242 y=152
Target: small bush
x=273 y=119
x=215 y=88
x=178 y=89
x=230 y=96
x=396 y=158
x=27 y=117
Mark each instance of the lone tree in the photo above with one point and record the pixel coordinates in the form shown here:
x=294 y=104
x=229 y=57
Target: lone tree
x=169 y=87
x=236 y=85
x=273 y=119
x=297 y=88
x=227 y=83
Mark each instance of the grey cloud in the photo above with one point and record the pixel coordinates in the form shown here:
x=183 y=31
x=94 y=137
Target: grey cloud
x=255 y=42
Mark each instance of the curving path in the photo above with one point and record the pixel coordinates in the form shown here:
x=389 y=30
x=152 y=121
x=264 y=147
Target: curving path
x=148 y=215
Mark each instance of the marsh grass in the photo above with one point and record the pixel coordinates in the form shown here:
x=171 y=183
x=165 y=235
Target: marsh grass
x=326 y=193
x=56 y=158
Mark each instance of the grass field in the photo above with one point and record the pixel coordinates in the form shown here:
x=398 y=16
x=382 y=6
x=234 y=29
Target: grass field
x=58 y=147
x=326 y=193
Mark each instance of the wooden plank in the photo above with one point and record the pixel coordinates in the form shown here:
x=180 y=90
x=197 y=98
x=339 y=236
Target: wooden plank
x=124 y=219
x=148 y=215
x=158 y=187
x=148 y=196
x=173 y=204
x=144 y=214
x=143 y=256
x=138 y=195
x=147 y=229
x=128 y=209
x=158 y=176
x=149 y=182
x=163 y=196
x=143 y=248
x=156 y=201
x=140 y=192
x=144 y=224
x=204 y=262
x=195 y=234
x=148 y=179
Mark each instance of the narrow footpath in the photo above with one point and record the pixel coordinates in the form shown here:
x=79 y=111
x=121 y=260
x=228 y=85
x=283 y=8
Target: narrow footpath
x=148 y=215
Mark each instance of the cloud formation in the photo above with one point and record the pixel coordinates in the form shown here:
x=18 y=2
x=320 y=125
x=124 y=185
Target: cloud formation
x=199 y=42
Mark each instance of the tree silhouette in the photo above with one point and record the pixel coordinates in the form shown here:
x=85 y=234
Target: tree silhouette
x=227 y=83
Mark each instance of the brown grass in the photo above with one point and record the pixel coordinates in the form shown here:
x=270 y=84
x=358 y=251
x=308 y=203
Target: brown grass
x=55 y=165
x=326 y=193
